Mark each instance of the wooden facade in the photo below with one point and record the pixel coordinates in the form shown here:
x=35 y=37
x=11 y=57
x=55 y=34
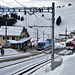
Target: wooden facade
x=23 y=34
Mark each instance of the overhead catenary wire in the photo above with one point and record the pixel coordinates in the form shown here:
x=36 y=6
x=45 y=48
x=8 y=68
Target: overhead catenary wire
x=43 y=17
x=38 y=19
x=7 y=3
x=19 y=3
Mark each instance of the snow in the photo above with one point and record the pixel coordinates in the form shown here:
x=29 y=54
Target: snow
x=10 y=51
x=67 y=22
x=19 y=41
x=58 y=59
x=68 y=40
x=59 y=45
x=14 y=68
x=68 y=61
x=10 y=32
x=67 y=67
x=62 y=52
x=24 y=39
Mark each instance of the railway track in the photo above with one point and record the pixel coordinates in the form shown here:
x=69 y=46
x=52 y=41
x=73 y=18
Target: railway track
x=7 y=58
x=21 y=61
x=32 y=68
x=28 y=67
x=65 y=52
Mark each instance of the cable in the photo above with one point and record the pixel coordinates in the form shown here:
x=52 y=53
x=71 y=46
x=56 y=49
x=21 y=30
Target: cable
x=39 y=19
x=41 y=16
x=19 y=3
x=6 y=3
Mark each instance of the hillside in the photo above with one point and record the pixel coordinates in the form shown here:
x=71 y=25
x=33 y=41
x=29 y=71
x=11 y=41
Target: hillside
x=67 y=17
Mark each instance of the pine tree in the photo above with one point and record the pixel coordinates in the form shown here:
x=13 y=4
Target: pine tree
x=22 y=18
x=18 y=17
x=58 y=21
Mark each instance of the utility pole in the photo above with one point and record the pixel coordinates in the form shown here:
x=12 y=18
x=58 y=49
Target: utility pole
x=43 y=35
x=6 y=35
x=53 y=11
x=54 y=63
x=37 y=35
x=65 y=34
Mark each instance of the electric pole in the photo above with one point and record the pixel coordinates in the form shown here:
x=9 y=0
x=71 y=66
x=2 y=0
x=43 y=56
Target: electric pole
x=65 y=34
x=53 y=11
x=43 y=35
x=6 y=35
x=37 y=35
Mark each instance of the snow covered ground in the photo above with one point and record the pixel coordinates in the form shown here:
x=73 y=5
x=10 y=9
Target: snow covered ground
x=11 y=53
x=67 y=67
x=9 y=70
x=68 y=21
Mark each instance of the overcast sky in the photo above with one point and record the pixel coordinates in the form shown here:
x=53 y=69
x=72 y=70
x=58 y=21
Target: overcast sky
x=36 y=3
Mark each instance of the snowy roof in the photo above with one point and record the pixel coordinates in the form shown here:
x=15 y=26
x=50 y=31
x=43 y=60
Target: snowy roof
x=24 y=40
x=68 y=40
x=11 y=30
x=20 y=41
x=13 y=41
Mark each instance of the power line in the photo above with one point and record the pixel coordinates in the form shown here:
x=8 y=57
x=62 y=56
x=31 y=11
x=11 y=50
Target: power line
x=39 y=19
x=41 y=16
x=19 y=3
x=6 y=3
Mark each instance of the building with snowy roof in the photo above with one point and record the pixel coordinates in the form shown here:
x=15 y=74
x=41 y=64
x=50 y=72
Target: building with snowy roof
x=16 y=36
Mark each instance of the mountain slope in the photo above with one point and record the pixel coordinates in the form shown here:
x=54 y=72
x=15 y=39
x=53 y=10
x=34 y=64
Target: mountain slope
x=67 y=16
x=68 y=19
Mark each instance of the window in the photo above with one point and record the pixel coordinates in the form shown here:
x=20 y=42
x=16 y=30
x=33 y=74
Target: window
x=69 y=44
x=4 y=38
x=13 y=38
x=7 y=38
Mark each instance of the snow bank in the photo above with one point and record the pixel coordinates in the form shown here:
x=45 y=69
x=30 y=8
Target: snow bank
x=59 y=45
x=67 y=67
x=10 y=51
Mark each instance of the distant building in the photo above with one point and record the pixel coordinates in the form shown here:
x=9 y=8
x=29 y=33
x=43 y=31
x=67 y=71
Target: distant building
x=72 y=34
x=17 y=37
